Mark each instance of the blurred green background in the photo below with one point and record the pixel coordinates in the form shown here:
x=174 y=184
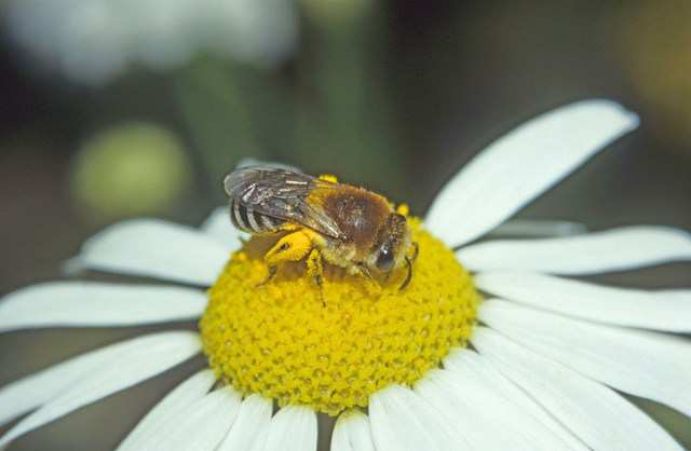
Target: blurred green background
x=119 y=108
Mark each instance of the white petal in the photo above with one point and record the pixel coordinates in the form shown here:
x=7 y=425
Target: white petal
x=148 y=247
x=457 y=392
x=352 y=433
x=537 y=228
x=151 y=427
x=595 y=414
x=385 y=432
x=30 y=392
x=613 y=250
x=261 y=439
x=388 y=434
x=667 y=310
x=252 y=421
x=152 y=355
x=402 y=420
x=293 y=428
x=517 y=168
x=340 y=440
x=470 y=421
x=202 y=425
x=523 y=412
x=642 y=363
x=409 y=407
x=60 y=304
x=219 y=227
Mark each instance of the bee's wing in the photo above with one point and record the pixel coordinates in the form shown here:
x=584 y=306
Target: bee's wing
x=281 y=193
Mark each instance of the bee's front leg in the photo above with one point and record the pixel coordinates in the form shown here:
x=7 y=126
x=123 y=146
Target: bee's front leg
x=272 y=270
x=372 y=282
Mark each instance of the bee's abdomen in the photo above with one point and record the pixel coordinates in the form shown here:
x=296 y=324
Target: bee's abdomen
x=248 y=220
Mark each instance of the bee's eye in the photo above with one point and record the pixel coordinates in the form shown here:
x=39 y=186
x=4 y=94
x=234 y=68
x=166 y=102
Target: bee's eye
x=385 y=259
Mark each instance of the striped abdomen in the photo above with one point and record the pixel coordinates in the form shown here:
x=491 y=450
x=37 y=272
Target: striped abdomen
x=248 y=220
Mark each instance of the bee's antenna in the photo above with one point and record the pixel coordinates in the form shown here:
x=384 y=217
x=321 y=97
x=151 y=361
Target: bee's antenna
x=408 y=276
x=416 y=251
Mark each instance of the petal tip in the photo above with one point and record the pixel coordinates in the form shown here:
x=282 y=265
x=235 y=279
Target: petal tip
x=627 y=119
x=631 y=119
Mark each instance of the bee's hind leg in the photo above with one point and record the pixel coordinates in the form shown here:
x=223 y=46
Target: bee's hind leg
x=290 y=248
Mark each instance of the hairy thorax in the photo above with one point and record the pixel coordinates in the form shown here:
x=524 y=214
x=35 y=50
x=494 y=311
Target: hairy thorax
x=359 y=214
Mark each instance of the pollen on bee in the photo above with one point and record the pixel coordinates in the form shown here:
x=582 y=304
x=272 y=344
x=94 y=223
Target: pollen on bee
x=403 y=209
x=281 y=341
x=329 y=178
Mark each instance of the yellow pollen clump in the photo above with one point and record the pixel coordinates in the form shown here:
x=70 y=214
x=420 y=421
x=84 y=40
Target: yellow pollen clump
x=286 y=341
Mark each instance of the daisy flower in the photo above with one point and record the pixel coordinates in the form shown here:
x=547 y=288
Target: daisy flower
x=493 y=345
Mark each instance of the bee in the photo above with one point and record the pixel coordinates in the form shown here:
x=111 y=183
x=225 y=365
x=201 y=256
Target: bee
x=322 y=221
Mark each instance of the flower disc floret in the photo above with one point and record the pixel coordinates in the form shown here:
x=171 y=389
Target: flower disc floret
x=332 y=348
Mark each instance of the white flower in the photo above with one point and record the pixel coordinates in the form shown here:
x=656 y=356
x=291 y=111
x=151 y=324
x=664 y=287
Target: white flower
x=548 y=355
x=93 y=41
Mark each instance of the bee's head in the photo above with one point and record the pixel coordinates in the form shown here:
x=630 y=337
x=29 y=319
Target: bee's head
x=391 y=246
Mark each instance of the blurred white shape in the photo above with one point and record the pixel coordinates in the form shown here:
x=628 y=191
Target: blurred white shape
x=165 y=30
x=90 y=45
x=256 y=31
x=92 y=41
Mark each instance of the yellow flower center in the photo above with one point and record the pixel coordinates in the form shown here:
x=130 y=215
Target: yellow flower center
x=287 y=341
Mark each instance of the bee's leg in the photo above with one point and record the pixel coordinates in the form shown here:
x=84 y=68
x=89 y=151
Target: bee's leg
x=363 y=270
x=290 y=248
x=409 y=275
x=315 y=269
x=270 y=275
x=409 y=260
x=416 y=251
x=373 y=283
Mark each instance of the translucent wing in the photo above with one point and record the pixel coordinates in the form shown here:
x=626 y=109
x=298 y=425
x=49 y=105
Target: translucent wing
x=281 y=193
